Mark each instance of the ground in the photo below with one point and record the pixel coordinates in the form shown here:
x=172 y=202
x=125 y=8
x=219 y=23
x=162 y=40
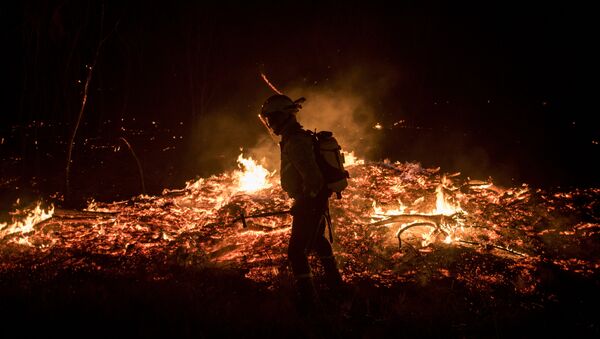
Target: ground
x=521 y=261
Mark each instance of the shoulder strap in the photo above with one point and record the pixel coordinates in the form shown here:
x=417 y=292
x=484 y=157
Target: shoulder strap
x=303 y=131
x=309 y=132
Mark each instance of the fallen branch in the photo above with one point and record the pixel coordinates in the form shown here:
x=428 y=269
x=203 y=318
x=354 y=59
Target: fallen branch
x=435 y=219
x=139 y=165
x=493 y=246
x=438 y=229
x=74 y=214
x=414 y=220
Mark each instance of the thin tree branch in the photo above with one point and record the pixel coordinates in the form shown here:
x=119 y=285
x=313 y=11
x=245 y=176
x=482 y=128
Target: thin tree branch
x=84 y=98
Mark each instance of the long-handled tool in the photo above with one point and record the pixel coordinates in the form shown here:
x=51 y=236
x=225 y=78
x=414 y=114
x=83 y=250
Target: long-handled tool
x=243 y=216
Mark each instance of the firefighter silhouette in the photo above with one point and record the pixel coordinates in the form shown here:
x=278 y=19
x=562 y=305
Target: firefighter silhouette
x=303 y=180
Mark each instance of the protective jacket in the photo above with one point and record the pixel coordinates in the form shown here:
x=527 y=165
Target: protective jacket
x=300 y=174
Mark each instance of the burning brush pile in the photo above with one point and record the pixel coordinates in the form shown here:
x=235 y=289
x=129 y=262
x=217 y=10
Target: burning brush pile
x=397 y=223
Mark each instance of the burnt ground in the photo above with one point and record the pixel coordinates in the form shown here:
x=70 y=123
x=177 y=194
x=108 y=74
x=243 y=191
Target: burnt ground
x=41 y=299
x=222 y=303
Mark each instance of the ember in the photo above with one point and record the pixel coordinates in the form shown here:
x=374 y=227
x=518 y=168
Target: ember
x=403 y=233
x=433 y=212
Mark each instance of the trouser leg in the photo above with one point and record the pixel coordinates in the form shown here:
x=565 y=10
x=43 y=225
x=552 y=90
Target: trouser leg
x=302 y=232
x=297 y=250
x=301 y=268
x=333 y=278
x=307 y=230
x=332 y=275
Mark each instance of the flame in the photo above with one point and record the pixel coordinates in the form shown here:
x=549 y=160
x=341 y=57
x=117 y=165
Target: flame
x=25 y=224
x=442 y=206
x=200 y=224
x=351 y=160
x=251 y=177
x=378 y=210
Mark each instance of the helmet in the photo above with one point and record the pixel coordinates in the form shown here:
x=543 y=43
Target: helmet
x=278 y=109
x=280 y=104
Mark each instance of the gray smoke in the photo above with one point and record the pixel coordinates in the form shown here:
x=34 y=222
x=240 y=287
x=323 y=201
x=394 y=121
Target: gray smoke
x=346 y=104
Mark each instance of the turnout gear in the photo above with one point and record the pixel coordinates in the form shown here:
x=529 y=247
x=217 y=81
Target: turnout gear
x=331 y=161
x=300 y=174
x=333 y=278
x=308 y=299
x=279 y=115
x=308 y=228
x=303 y=156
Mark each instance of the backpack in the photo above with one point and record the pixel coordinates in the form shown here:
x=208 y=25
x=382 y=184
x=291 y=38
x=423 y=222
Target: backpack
x=331 y=161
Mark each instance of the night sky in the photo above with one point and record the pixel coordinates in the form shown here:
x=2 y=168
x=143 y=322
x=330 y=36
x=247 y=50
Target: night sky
x=498 y=89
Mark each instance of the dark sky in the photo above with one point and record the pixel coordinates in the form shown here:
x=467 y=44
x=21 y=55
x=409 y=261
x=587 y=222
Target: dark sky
x=465 y=53
x=489 y=68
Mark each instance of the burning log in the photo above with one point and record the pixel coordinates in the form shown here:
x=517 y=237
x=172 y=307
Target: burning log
x=408 y=221
x=75 y=214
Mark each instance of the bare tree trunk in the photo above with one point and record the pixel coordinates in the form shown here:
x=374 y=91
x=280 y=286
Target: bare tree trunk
x=139 y=164
x=83 y=103
x=72 y=139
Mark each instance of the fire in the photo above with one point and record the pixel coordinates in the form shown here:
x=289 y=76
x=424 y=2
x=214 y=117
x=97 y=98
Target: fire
x=442 y=206
x=385 y=205
x=251 y=177
x=378 y=210
x=443 y=216
x=24 y=220
x=351 y=160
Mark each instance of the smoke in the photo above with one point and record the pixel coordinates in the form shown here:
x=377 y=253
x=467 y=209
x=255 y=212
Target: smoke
x=217 y=139
x=348 y=104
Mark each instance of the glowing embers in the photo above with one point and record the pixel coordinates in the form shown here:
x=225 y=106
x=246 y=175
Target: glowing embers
x=446 y=218
x=505 y=230
x=24 y=220
x=251 y=177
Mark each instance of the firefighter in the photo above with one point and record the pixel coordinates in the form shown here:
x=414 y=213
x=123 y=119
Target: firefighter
x=303 y=180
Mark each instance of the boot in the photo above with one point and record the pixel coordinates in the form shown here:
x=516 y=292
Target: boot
x=308 y=299
x=333 y=279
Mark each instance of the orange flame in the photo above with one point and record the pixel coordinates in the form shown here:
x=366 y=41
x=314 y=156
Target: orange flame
x=252 y=177
x=443 y=207
x=25 y=224
x=351 y=160
x=197 y=224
